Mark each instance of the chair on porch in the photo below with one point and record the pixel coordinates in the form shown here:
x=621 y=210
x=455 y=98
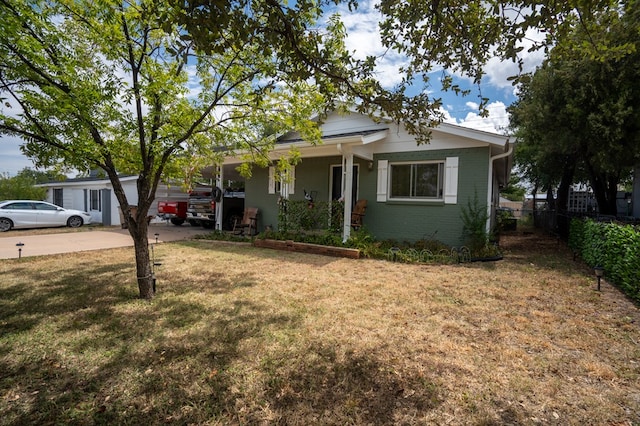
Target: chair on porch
x=358 y=214
x=249 y=221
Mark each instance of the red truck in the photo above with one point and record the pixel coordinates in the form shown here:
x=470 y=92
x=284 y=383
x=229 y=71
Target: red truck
x=200 y=208
x=175 y=211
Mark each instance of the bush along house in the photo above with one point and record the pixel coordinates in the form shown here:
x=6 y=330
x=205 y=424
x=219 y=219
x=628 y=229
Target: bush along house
x=412 y=191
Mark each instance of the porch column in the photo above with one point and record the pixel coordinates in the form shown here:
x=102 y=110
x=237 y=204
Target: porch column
x=219 y=182
x=347 y=193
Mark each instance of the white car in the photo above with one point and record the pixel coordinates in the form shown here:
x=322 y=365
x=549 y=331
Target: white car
x=38 y=214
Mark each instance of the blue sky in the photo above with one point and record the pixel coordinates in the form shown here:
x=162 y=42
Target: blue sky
x=363 y=40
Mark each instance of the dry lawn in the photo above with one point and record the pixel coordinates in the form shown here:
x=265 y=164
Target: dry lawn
x=239 y=335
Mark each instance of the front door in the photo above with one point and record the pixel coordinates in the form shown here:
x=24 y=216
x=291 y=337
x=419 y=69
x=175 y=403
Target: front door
x=336 y=183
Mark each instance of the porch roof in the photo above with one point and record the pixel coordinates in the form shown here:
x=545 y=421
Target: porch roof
x=350 y=136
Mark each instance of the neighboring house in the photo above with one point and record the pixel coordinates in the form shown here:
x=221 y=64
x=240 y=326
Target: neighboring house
x=413 y=191
x=94 y=194
x=515 y=206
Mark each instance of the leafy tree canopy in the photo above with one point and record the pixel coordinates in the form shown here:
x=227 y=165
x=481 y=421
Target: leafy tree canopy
x=22 y=186
x=120 y=86
x=577 y=116
x=514 y=191
x=462 y=35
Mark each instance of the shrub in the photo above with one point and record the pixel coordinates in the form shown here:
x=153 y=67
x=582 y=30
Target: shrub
x=474 y=217
x=612 y=246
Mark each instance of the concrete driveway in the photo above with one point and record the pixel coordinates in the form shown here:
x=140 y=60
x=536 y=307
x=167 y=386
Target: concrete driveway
x=89 y=239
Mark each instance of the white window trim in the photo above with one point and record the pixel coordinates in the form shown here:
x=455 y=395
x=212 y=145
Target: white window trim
x=272 y=180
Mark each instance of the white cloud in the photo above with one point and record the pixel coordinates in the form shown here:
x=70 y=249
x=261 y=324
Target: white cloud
x=363 y=40
x=497 y=121
x=498 y=71
x=446 y=116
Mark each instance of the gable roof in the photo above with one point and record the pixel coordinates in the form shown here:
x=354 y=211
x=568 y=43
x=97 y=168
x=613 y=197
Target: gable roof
x=87 y=180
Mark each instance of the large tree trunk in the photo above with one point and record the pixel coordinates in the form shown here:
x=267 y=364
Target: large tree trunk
x=138 y=229
x=551 y=201
x=605 y=189
x=562 y=200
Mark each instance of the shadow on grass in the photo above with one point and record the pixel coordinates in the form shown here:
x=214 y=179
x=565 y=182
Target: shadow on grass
x=328 y=389
x=23 y=306
x=116 y=360
x=106 y=358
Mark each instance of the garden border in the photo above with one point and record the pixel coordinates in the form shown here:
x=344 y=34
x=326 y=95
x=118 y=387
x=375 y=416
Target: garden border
x=289 y=245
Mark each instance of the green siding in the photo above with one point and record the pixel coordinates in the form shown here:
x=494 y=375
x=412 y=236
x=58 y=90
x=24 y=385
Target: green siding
x=390 y=220
x=414 y=221
x=312 y=174
x=257 y=195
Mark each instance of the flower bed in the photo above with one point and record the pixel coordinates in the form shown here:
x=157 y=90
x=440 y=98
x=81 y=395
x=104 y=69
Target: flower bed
x=299 y=247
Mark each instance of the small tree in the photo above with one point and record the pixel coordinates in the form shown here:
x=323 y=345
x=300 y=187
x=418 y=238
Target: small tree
x=514 y=191
x=475 y=217
x=119 y=86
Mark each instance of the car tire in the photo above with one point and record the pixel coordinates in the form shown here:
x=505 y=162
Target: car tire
x=207 y=224
x=75 y=222
x=5 y=224
x=177 y=221
x=194 y=222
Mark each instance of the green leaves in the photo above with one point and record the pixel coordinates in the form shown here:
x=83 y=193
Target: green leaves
x=474 y=217
x=22 y=186
x=612 y=246
x=577 y=112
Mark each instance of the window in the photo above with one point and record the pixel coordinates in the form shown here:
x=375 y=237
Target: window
x=283 y=185
x=18 y=206
x=417 y=180
x=43 y=206
x=57 y=197
x=95 y=201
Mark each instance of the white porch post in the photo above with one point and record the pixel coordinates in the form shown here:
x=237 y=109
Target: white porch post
x=284 y=188
x=347 y=193
x=219 y=206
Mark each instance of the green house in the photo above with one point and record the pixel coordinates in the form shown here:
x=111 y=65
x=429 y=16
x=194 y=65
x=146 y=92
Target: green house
x=413 y=191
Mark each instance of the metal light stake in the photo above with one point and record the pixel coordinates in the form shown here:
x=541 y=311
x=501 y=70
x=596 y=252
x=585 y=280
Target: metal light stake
x=153 y=268
x=599 y=271
x=394 y=252
x=20 y=245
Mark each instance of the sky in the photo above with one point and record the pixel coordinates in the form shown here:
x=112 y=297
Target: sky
x=363 y=40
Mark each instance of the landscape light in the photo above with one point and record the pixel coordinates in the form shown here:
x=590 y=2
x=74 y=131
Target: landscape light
x=599 y=271
x=394 y=252
x=20 y=245
x=156 y=235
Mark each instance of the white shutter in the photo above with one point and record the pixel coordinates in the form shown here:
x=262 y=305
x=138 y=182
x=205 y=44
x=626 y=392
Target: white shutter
x=292 y=180
x=451 y=180
x=382 y=180
x=272 y=180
